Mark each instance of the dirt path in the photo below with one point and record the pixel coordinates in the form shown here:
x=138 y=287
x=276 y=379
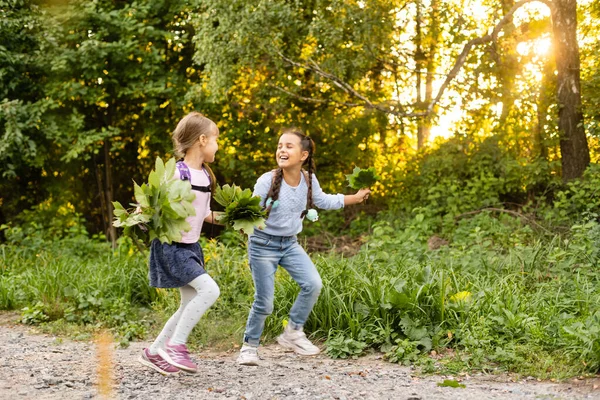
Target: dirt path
x=35 y=366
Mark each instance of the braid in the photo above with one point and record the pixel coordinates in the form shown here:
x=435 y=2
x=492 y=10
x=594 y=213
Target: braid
x=274 y=190
x=213 y=180
x=311 y=167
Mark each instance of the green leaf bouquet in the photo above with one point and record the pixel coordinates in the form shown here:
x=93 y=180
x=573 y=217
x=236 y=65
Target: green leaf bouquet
x=161 y=208
x=242 y=210
x=362 y=178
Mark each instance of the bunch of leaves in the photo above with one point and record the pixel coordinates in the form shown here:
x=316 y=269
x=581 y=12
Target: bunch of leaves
x=242 y=210
x=362 y=178
x=161 y=208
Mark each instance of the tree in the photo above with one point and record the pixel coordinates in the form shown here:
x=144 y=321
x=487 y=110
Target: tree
x=573 y=140
x=340 y=44
x=120 y=77
x=24 y=143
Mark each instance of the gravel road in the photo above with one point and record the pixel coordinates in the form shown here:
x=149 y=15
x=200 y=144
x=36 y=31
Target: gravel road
x=37 y=366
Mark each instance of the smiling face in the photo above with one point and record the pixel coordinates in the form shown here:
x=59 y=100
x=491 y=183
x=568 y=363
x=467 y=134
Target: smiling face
x=289 y=153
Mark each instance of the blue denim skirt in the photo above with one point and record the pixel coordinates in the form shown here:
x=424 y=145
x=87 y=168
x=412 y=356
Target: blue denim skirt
x=175 y=265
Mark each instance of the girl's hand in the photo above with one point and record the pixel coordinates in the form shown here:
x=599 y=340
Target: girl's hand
x=362 y=195
x=213 y=217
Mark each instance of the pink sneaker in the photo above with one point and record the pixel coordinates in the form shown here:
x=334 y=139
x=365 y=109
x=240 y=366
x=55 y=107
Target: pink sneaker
x=157 y=363
x=178 y=355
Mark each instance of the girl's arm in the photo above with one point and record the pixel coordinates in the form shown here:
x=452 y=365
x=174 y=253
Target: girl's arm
x=357 y=197
x=324 y=200
x=212 y=217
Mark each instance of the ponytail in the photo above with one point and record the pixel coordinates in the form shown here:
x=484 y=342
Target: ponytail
x=213 y=180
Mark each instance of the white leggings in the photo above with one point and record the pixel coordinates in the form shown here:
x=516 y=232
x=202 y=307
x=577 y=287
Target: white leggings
x=196 y=297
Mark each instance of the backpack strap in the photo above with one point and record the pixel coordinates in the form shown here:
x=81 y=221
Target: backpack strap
x=184 y=171
x=186 y=175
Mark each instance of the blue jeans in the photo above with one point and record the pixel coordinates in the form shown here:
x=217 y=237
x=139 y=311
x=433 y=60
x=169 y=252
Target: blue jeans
x=265 y=253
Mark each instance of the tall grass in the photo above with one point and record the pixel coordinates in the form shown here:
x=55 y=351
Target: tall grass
x=500 y=295
x=501 y=298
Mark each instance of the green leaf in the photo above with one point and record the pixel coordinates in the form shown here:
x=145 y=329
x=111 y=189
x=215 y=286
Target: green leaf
x=169 y=173
x=118 y=209
x=154 y=179
x=179 y=209
x=362 y=178
x=248 y=226
x=226 y=194
x=140 y=195
x=159 y=167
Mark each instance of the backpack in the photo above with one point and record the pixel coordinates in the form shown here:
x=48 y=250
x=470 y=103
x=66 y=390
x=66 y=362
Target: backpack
x=186 y=175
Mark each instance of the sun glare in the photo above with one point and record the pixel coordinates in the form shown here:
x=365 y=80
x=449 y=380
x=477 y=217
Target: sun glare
x=446 y=123
x=543 y=46
x=540 y=47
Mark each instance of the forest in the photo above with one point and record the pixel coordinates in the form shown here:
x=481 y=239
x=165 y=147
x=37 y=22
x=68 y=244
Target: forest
x=480 y=243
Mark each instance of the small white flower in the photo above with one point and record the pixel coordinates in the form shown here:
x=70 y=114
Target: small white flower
x=312 y=215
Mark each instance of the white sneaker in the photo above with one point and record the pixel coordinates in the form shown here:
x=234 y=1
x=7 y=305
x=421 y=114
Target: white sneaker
x=296 y=340
x=248 y=355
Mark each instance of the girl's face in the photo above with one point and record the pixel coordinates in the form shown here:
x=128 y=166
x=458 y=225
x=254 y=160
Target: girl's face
x=289 y=152
x=209 y=145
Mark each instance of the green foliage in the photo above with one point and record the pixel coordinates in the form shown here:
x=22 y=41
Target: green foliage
x=75 y=280
x=24 y=70
x=499 y=293
x=465 y=175
x=340 y=346
x=585 y=341
x=362 y=178
x=579 y=197
x=34 y=315
x=242 y=210
x=163 y=204
x=405 y=351
x=92 y=91
x=50 y=220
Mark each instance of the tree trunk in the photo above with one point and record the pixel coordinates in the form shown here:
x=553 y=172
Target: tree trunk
x=507 y=65
x=112 y=231
x=575 y=154
x=102 y=197
x=433 y=40
x=419 y=56
x=543 y=103
x=2 y=222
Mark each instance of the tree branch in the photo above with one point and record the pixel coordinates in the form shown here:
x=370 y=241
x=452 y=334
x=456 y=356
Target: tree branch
x=312 y=99
x=400 y=112
x=480 y=40
x=347 y=88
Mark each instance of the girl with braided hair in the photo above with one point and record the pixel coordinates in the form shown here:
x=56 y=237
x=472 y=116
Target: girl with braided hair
x=289 y=194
